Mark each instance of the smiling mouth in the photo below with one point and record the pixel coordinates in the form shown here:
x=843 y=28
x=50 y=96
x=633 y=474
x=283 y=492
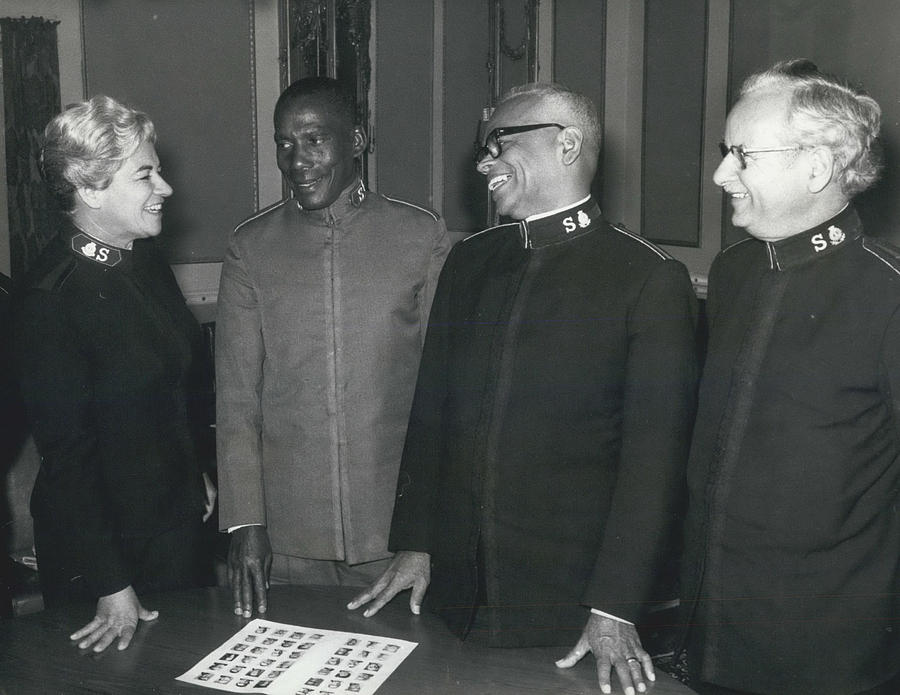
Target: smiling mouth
x=307 y=184
x=498 y=181
x=154 y=209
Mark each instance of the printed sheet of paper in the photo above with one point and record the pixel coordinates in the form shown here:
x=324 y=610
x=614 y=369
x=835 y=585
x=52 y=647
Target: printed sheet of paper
x=268 y=657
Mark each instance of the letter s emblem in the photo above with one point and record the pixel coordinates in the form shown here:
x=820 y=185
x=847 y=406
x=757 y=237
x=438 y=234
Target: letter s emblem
x=570 y=225
x=819 y=243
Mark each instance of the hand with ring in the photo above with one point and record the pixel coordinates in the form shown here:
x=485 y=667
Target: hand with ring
x=616 y=647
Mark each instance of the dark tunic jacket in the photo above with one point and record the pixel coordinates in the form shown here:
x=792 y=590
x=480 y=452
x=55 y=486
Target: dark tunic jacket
x=792 y=570
x=107 y=355
x=549 y=431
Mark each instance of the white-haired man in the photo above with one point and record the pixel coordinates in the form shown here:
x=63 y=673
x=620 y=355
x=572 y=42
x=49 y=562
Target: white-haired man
x=791 y=577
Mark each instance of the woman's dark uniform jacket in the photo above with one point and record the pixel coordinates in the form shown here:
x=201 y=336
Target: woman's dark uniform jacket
x=108 y=361
x=792 y=570
x=550 y=426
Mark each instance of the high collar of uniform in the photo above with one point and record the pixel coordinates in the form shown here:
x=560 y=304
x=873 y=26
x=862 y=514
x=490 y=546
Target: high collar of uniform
x=820 y=241
x=92 y=249
x=560 y=226
x=347 y=202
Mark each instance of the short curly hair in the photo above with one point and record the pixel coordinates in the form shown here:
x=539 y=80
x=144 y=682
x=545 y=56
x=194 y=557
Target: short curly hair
x=825 y=111
x=329 y=90
x=87 y=143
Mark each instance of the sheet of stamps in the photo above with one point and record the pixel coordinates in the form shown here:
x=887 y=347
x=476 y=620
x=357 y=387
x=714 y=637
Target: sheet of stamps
x=269 y=657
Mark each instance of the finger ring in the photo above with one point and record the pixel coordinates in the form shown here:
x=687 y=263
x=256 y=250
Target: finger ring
x=631 y=658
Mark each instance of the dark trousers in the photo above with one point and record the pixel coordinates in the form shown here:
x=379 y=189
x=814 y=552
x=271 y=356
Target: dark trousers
x=178 y=558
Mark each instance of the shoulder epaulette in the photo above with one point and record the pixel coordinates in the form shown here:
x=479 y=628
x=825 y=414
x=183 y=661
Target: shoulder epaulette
x=264 y=211
x=884 y=251
x=737 y=243
x=622 y=229
x=54 y=280
x=489 y=229
x=428 y=212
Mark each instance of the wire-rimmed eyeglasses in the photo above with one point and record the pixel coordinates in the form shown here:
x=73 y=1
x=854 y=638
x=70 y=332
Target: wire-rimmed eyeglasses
x=492 y=144
x=741 y=154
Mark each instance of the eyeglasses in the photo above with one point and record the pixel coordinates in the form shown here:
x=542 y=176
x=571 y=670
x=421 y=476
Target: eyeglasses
x=741 y=154
x=492 y=144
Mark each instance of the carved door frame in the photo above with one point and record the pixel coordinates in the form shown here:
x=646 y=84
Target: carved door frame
x=330 y=38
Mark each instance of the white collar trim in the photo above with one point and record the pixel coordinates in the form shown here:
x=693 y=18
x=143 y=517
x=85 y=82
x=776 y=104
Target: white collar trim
x=541 y=215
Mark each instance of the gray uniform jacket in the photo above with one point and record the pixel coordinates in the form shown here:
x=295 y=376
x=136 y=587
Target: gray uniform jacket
x=320 y=324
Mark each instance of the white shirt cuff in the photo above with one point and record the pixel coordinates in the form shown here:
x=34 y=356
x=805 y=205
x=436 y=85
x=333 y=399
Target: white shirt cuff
x=235 y=528
x=607 y=615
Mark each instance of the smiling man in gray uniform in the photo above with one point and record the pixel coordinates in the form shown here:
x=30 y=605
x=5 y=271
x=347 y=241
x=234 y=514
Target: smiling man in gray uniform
x=322 y=309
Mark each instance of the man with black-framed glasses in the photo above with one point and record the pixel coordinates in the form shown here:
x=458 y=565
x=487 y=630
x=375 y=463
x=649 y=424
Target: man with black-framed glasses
x=545 y=452
x=791 y=576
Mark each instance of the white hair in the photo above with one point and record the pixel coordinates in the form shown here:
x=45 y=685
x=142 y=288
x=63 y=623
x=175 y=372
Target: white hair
x=825 y=111
x=88 y=142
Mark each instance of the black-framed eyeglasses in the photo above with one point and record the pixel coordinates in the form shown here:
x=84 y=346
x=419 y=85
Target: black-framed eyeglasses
x=492 y=144
x=741 y=154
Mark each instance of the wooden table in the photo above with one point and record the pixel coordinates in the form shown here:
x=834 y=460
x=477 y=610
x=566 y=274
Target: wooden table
x=36 y=655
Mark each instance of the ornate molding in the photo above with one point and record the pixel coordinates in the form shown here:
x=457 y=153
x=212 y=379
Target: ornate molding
x=331 y=38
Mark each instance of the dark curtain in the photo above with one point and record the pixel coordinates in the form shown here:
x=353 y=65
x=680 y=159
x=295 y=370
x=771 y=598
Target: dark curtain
x=31 y=98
